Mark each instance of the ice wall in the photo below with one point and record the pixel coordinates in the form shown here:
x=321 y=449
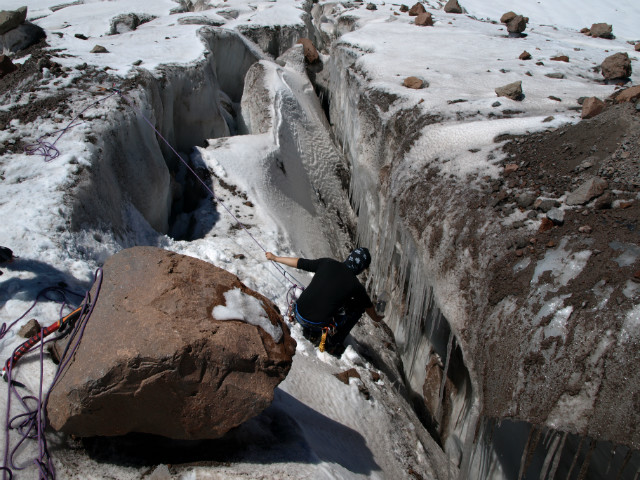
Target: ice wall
x=431 y=263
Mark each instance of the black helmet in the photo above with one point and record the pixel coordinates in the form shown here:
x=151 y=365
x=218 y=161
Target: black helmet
x=358 y=260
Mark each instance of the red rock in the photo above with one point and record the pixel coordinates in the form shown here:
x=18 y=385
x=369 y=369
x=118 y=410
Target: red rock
x=416 y=10
x=546 y=225
x=346 y=375
x=154 y=359
x=6 y=66
x=510 y=168
x=424 y=20
x=560 y=58
x=626 y=204
x=591 y=107
x=525 y=56
x=413 y=82
x=310 y=51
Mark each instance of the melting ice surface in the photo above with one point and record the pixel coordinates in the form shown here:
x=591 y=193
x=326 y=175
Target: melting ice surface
x=562 y=265
x=240 y=306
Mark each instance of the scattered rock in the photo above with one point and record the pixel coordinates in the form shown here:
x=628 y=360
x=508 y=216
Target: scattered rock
x=424 y=20
x=556 y=75
x=507 y=17
x=517 y=25
x=371 y=6
x=452 y=6
x=545 y=225
x=525 y=56
x=554 y=98
x=525 y=200
x=560 y=58
x=413 y=82
x=10 y=19
x=6 y=255
x=637 y=47
x=630 y=94
x=404 y=8
x=29 y=329
x=589 y=190
x=591 y=107
x=346 y=375
x=416 y=10
x=616 y=66
x=512 y=91
x=556 y=215
x=137 y=63
x=6 y=66
x=496 y=104
x=548 y=119
x=310 y=52
x=545 y=204
x=510 y=168
x=601 y=30
x=585 y=229
x=99 y=49
x=81 y=36
x=196 y=353
x=375 y=376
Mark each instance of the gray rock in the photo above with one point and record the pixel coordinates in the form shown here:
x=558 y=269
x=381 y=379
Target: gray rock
x=512 y=91
x=616 y=66
x=201 y=20
x=21 y=37
x=525 y=200
x=556 y=216
x=556 y=75
x=545 y=204
x=186 y=360
x=127 y=22
x=99 y=49
x=10 y=19
x=589 y=190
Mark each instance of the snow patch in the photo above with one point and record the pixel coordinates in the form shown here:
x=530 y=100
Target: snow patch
x=240 y=306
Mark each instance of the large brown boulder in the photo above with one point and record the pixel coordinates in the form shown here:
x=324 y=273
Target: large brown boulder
x=175 y=347
x=616 y=66
x=591 y=107
x=601 y=30
x=630 y=94
x=425 y=19
x=310 y=51
x=517 y=24
x=453 y=6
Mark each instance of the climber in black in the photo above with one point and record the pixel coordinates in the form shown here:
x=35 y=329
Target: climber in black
x=335 y=298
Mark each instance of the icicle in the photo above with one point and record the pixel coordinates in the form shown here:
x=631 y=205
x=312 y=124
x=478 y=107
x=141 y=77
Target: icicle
x=529 y=450
x=585 y=465
x=613 y=455
x=627 y=458
x=575 y=458
x=556 y=462
x=551 y=452
x=444 y=381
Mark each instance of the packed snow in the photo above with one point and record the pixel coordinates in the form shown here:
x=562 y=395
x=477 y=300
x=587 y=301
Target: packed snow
x=339 y=432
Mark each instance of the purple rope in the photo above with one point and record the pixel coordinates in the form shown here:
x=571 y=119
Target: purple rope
x=218 y=199
x=49 y=150
x=31 y=424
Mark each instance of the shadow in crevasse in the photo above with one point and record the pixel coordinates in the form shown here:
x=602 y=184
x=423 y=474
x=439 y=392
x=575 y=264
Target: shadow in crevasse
x=43 y=276
x=287 y=431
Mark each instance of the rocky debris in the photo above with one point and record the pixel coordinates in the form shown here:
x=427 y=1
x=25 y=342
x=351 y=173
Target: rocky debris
x=6 y=255
x=592 y=188
x=525 y=200
x=99 y=49
x=507 y=17
x=616 y=67
x=545 y=225
x=413 y=82
x=591 y=107
x=29 y=329
x=347 y=374
x=525 y=56
x=512 y=91
x=453 y=6
x=191 y=6
x=601 y=30
x=585 y=229
x=510 y=168
x=603 y=202
x=310 y=52
x=404 y=8
x=630 y=94
x=556 y=215
x=10 y=19
x=556 y=75
x=560 y=58
x=128 y=22
x=416 y=10
x=175 y=347
x=6 y=66
x=424 y=20
x=545 y=204
x=80 y=36
x=371 y=6
x=517 y=25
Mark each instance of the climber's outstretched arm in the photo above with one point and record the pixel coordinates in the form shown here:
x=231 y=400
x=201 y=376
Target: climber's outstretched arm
x=289 y=261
